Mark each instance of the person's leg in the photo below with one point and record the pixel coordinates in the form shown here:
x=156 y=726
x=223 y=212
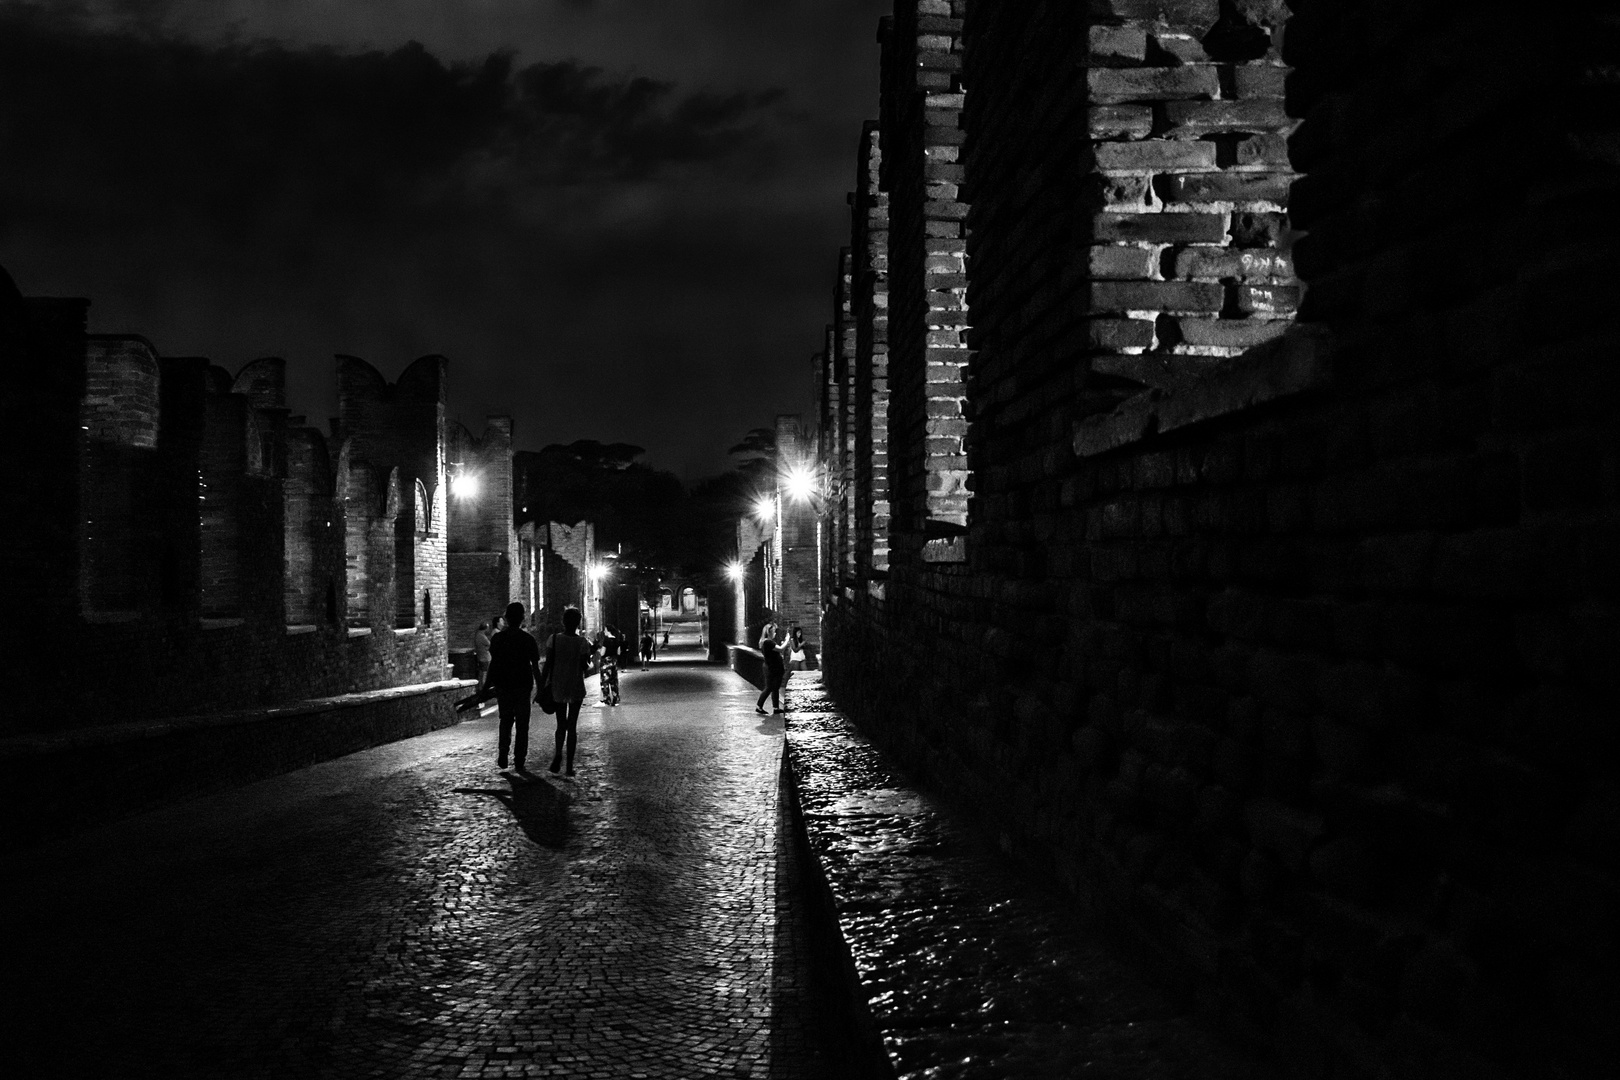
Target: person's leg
x=505 y=706
x=765 y=692
x=573 y=731
x=521 y=711
x=776 y=692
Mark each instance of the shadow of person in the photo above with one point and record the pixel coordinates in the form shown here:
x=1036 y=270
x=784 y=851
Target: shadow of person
x=541 y=810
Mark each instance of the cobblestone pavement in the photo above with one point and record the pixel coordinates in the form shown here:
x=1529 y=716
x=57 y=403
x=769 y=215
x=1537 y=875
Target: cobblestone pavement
x=412 y=911
x=968 y=971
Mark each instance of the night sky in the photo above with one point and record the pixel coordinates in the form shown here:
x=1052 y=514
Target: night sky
x=619 y=219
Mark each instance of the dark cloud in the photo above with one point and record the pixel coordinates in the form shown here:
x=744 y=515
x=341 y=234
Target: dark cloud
x=127 y=132
x=603 y=254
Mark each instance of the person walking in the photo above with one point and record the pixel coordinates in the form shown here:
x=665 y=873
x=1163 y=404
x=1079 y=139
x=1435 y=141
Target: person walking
x=514 y=671
x=646 y=649
x=567 y=655
x=775 y=671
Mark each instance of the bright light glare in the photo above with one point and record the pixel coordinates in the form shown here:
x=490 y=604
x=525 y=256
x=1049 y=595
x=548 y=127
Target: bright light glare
x=764 y=509
x=734 y=571
x=464 y=486
x=800 y=483
x=598 y=572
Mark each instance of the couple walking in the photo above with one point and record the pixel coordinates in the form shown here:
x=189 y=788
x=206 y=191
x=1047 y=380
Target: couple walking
x=515 y=672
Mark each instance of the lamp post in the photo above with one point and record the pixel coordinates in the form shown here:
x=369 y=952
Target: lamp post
x=596 y=573
x=736 y=573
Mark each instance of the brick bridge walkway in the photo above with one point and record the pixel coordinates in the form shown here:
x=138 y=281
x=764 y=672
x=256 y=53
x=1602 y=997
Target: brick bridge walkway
x=410 y=911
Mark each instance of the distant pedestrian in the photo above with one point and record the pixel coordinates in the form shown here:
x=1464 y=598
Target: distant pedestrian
x=666 y=639
x=514 y=670
x=775 y=672
x=567 y=656
x=646 y=649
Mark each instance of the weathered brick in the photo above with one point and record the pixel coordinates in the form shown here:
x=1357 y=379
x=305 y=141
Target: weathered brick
x=1263 y=150
x=1120 y=333
x=1116 y=42
x=1194 y=16
x=1259 y=80
x=1109 y=86
x=1268 y=299
x=1116 y=121
x=1223 y=187
x=1115 y=261
x=1189 y=228
x=1243 y=264
x=1156 y=296
x=1154 y=154
x=1202 y=117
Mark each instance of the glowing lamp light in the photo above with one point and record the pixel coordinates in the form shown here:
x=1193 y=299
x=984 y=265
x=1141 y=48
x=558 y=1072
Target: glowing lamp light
x=800 y=483
x=464 y=486
x=764 y=509
x=598 y=572
x=735 y=571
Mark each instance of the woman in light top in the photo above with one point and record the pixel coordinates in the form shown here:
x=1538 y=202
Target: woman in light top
x=568 y=654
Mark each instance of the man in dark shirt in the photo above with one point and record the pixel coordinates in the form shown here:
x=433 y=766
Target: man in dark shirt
x=514 y=671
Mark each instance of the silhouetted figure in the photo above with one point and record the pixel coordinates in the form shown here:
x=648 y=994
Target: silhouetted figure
x=646 y=649
x=514 y=671
x=775 y=672
x=567 y=656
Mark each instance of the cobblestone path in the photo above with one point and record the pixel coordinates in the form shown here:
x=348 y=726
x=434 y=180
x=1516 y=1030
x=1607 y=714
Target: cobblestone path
x=411 y=911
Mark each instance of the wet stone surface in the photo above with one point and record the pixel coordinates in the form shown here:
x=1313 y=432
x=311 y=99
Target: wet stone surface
x=968 y=970
x=413 y=911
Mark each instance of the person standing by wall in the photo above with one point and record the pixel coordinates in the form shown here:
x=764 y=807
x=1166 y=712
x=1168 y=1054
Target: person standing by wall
x=567 y=656
x=795 y=647
x=481 y=638
x=514 y=670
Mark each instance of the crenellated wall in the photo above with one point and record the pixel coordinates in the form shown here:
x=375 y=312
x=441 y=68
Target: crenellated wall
x=1285 y=645
x=199 y=549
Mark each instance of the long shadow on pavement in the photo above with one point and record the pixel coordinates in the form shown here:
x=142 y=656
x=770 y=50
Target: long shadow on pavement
x=541 y=810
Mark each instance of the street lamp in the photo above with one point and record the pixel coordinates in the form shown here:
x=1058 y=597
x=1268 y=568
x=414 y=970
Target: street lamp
x=464 y=485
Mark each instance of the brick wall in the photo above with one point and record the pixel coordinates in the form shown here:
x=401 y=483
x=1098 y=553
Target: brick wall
x=921 y=171
x=1295 y=664
x=226 y=584
x=869 y=255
